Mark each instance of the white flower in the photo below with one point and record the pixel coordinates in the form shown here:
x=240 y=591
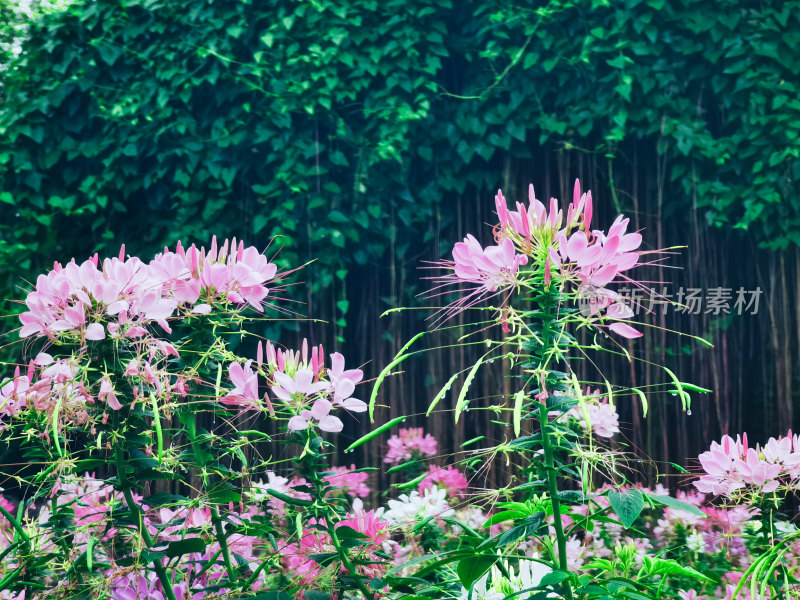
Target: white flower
x=784 y=528
x=410 y=509
x=528 y=579
x=696 y=542
x=274 y=482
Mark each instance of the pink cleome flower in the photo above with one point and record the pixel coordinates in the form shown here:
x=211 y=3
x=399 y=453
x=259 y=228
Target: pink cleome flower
x=126 y=295
x=732 y=465
x=566 y=252
x=315 y=541
x=410 y=443
x=347 y=479
x=449 y=478
x=486 y=271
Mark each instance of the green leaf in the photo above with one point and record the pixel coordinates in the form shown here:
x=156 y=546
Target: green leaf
x=628 y=505
x=336 y=216
x=658 y=566
x=186 y=546
x=162 y=498
x=472 y=568
x=676 y=504
x=526 y=528
x=553 y=578
x=502 y=516
x=345 y=531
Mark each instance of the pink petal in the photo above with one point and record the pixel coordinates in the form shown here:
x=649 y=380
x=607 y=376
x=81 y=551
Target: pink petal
x=332 y=424
x=95 y=331
x=201 y=309
x=354 y=405
x=321 y=408
x=625 y=330
x=297 y=423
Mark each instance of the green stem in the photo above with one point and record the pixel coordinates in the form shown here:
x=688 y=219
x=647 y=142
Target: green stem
x=342 y=552
x=552 y=486
x=219 y=530
x=136 y=513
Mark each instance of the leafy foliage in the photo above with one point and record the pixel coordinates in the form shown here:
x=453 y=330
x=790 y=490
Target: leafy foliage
x=346 y=124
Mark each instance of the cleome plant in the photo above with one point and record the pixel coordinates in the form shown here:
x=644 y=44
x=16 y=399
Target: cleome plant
x=169 y=452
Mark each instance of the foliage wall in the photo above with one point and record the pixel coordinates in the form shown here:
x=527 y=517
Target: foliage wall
x=372 y=135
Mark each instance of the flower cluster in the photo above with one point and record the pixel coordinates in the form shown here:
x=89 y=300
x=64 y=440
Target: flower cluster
x=123 y=297
x=410 y=443
x=349 y=480
x=595 y=415
x=448 y=478
x=564 y=251
x=303 y=386
x=301 y=558
x=733 y=468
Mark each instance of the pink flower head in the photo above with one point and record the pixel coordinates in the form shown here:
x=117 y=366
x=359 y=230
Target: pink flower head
x=600 y=418
x=344 y=383
x=353 y=483
x=289 y=361
x=492 y=267
x=732 y=465
x=410 y=443
x=245 y=392
x=234 y=273
x=297 y=392
x=486 y=271
x=450 y=479
x=533 y=223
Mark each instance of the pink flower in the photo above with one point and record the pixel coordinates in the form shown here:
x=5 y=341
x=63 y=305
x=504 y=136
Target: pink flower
x=351 y=482
x=492 y=268
x=410 y=443
x=450 y=479
x=299 y=389
x=245 y=392
x=299 y=557
x=107 y=394
x=759 y=473
x=344 y=384
x=690 y=595
x=288 y=360
x=320 y=411
x=297 y=392
x=603 y=419
x=732 y=465
x=488 y=272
